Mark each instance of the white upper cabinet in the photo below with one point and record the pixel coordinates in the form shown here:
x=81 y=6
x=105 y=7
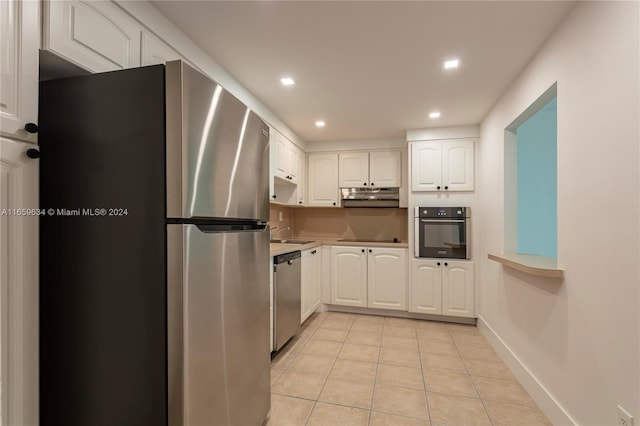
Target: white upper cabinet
x=442 y=165
x=19 y=42
x=155 y=51
x=457 y=165
x=378 y=169
x=96 y=35
x=384 y=169
x=426 y=166
x=323 y=180
x=287 y=156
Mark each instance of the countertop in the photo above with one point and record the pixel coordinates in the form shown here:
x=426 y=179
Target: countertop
x=279 y=248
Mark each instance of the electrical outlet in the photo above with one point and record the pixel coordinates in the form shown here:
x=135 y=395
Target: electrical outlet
x=624 y=418
x=280 y=216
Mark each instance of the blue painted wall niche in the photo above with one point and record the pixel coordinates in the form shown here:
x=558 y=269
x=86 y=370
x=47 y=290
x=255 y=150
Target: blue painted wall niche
x=537 y=183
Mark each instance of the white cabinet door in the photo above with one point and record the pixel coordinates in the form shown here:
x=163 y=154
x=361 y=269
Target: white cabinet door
x=457 y=289
x=96 y=35
x=348 y=276
x=315 y=294
x=426 y=286
x=457 y=165
x=442 y=165
x=302 y=178
x=387 y=278
x=154 y=51
x=384 y=169
x=323 y=180
x=18 y=284
x=354 y=169
x=287 y=159
x=310 y=271
x=19 y=43
x=426 y=166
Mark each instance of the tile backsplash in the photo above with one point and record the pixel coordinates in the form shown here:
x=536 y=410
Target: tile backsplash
x=352 y=223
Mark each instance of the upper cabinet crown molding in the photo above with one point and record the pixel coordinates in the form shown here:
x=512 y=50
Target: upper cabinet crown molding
x=19 y=40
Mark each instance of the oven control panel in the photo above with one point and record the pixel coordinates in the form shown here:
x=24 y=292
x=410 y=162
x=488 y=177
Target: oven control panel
x=442 y=212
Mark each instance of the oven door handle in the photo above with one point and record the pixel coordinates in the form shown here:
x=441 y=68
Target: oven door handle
x=441 y=221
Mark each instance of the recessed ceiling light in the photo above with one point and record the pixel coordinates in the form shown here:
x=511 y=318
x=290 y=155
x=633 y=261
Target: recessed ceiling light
x=287 y=81
x=451 y=63
x=434 y=114
x=320 y=123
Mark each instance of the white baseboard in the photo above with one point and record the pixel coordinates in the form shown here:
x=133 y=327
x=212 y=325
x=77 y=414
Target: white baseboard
x=547 y=403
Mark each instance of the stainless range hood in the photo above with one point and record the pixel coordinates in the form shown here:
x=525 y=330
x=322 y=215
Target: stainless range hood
x=370 y=197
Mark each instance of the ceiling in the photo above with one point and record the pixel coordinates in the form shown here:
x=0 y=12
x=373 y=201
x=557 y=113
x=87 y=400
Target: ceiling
x=370 y=69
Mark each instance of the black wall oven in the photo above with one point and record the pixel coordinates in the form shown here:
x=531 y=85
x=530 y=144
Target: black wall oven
x=442 y=232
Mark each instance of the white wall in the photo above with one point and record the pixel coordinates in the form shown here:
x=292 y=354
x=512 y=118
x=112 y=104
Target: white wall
x=579 y=339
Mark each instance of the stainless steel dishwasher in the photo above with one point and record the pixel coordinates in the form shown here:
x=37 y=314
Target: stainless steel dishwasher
x=286 y=298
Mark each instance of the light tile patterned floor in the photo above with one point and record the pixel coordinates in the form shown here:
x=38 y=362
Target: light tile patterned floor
x=348 y=369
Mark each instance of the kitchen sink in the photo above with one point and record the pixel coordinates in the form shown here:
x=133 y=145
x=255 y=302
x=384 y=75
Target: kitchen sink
x=292 y=241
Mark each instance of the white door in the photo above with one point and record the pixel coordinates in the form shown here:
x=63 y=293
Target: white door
x=384 y=169
x=95 y=35
x=354 y=170
x=18 y=284
x=302 y=178
x=283 y=157
x=348 y=276
x=387 y=278
x=426 y=166
x=294 y=162
x=457 y=289
x=457 y=165
x=426 y=286
x=19 y=43
x=323 y=180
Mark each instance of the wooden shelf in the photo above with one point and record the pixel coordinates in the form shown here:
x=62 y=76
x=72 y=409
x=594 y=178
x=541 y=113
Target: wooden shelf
x=530 y=264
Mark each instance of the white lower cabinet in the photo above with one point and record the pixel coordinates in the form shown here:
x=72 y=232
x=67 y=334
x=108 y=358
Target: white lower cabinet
x=18 y=283
x=373 y=277
x=442 y=287
x=311 y=273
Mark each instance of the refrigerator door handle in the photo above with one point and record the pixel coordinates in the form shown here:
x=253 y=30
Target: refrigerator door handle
x=232 y=227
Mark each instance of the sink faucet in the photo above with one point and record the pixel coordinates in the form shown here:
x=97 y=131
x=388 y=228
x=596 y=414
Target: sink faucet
x=273 y=232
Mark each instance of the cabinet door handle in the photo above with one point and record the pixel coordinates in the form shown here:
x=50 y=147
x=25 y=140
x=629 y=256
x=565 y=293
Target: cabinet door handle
x=31 y=127
x=33 y=153
x=299 y=202
x=313 y=252
x=438 y=263
x=446 y=187
x=438 y=187
x=370 y=251
x=446 y=264
x=372 y=184
x=334 y=204
x=363 y=250
x=365 y=184
x=273 y=196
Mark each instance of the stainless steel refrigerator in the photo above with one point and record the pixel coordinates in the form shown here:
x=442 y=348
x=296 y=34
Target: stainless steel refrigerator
x=154 y=252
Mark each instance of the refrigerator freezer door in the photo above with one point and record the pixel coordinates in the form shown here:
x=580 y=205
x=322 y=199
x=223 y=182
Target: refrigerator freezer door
x=219 y=361
x=217 y=150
